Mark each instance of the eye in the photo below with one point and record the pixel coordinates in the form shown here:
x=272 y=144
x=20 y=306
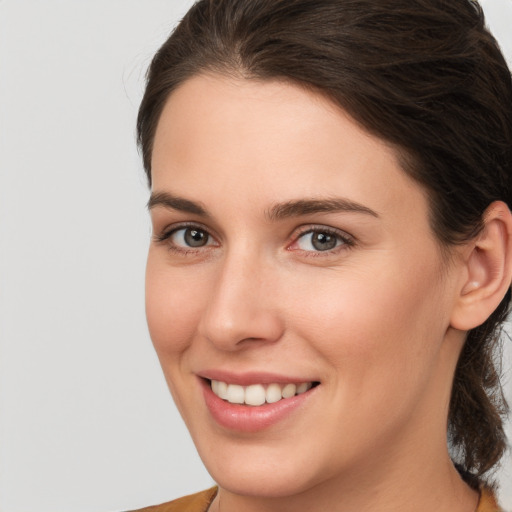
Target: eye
x=190 y=237
x=186 y=239
x=321 y=240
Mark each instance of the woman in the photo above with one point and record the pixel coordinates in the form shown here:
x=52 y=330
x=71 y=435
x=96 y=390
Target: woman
x=331 y=259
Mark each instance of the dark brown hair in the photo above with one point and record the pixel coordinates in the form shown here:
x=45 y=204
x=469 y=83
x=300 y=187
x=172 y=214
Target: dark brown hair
x=425 y=76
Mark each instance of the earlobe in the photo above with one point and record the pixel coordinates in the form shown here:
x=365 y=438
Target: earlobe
x=487 y=269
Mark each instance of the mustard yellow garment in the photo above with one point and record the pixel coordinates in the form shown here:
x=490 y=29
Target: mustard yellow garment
x=198 y=502
x=201 y=501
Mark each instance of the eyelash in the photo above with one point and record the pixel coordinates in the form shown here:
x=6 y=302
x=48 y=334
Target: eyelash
x=346 y=240
x=165 y=238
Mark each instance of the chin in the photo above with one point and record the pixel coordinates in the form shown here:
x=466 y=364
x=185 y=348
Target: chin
x=262 y=472
x=271 y=483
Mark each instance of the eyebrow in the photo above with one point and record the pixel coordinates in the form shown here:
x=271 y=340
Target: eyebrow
x=294 y=208
x=176 y=203
x=308 y=206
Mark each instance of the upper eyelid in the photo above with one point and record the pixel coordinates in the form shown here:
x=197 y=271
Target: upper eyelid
x=347 y=241
x=167 y=231
x=164 y=238
x=311 y=228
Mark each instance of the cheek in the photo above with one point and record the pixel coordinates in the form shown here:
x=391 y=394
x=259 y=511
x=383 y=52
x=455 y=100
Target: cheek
x=374 y=324
x=173 y=307
x=379 y=343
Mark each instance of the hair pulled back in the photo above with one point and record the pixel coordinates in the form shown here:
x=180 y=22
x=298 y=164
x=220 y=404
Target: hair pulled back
x=425 y=76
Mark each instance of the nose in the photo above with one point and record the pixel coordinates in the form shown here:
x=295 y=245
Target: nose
x=242 y=310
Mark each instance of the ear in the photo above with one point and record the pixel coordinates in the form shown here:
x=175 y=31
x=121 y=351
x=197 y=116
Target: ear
x=487 y=269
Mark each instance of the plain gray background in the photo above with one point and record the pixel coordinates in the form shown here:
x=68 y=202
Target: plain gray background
x=86 y=421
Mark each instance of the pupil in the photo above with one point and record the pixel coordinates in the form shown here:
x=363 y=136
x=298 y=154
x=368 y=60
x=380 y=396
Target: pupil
x=323 y=241
x=195 y=237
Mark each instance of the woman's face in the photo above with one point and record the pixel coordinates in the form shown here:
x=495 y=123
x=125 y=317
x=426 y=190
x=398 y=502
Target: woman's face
x=292 y=254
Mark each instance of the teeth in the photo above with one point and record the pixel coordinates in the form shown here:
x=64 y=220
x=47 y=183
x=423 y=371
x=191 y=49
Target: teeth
x=257 y=394
x=289 y=390
x=302 y=388
x=235 y=394
x=222 y=390
x=273 y=393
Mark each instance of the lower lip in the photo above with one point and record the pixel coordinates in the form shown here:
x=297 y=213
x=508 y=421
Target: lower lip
x=247 y=418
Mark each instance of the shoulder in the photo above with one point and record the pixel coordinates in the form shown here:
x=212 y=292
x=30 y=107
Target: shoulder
x=198 y=502
x=488 y=502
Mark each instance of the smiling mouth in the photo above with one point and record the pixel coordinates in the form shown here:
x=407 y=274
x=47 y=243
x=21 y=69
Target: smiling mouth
x=258 y=394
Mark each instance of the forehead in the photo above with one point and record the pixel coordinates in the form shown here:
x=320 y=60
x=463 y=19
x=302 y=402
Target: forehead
x=271 y=141
x=240 y=114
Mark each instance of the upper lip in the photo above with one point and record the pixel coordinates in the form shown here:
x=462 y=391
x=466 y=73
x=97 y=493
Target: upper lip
x=252 y=377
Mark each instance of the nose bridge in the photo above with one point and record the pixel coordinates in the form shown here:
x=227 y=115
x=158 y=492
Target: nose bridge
x=241 y=307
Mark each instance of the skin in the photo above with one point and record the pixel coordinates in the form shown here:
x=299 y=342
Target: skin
x=372 y=320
